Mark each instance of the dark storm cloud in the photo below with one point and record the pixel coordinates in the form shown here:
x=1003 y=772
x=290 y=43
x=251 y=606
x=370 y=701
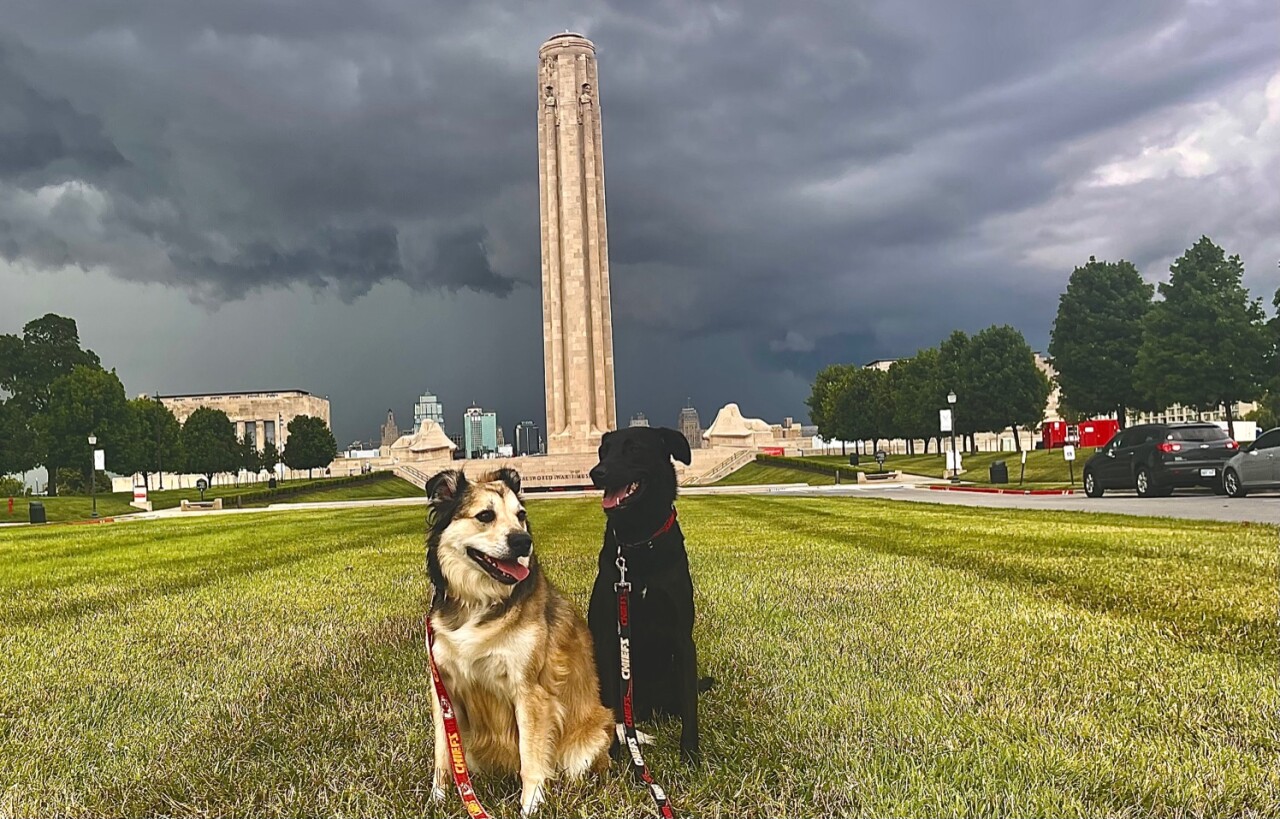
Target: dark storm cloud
x=790 y=184
x=45 y=135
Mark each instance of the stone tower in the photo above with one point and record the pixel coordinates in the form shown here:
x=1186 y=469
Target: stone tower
x=577 y=322
x=390 y=432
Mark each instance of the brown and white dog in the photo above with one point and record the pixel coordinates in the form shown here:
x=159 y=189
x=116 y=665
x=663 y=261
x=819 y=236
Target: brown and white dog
x=514 y=655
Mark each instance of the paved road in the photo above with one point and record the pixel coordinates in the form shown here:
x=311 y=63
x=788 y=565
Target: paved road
x=1190 y=504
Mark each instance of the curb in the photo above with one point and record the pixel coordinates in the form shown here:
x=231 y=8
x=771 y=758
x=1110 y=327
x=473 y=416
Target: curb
x=987 y=490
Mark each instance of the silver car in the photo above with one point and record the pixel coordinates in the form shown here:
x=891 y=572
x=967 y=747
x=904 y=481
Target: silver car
x=1256 y=466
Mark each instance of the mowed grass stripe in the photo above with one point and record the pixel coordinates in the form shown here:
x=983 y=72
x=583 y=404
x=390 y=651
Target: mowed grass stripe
x=272 y=665
x=1217 y=591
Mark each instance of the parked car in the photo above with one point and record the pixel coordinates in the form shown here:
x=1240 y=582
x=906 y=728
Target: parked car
x=1257 y=466
x=1155 y=459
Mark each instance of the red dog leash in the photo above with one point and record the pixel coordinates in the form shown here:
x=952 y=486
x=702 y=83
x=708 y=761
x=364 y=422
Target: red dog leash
x=623 y=588
x=458 y=759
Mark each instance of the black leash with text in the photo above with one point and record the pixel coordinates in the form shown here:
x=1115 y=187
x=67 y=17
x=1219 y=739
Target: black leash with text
x=623 y=588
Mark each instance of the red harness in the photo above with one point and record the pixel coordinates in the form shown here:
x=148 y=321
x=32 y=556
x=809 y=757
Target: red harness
x=457 y=759
x=666 y=527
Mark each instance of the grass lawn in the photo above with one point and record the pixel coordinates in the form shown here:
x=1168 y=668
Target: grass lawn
x=381 y=487
x=67 y=507
x=873 y=659
x=1043 y=466
x=756 y=473
x=74 y=507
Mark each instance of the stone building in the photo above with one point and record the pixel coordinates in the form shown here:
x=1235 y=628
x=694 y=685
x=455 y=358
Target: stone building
x=690 y=426
x=639 y=420
x=259 y=417
x=390 y=432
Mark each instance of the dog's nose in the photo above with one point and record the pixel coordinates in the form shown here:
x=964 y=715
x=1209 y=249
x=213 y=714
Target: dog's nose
x=597 y=476
x=519 y=544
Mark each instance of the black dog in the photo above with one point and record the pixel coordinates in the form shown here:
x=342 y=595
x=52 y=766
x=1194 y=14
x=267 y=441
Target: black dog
x=639 y=483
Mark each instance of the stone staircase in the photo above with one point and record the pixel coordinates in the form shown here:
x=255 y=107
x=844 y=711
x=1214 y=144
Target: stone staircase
x=727 y=462
x=412 y=474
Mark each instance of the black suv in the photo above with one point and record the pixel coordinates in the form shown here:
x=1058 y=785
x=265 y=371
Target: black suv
x=1156 y=458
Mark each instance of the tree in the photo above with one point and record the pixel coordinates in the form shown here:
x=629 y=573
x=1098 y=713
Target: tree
x=269 y=457
x=1272 y=363
x=88 y=401
x=209 y=443
x=954 y=375
x=159 y=439
x=880 y=421
x=821 y=401
x=1267 y=415
x=18 y=442
x=857 y=404
x=1096 y=336
x=48 y=350
x=1009 y=390
x=310 y=445
x=918 y=396
x=250 y=458
x=1204 y=344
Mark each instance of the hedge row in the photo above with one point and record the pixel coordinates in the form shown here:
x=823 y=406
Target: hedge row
x=285 y=490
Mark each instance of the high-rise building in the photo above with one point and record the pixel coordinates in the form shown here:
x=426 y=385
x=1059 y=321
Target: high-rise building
x=639 y=420
x=428 y=408
x=577 y=321
x=690 y=426
x=480 y=432
x=528 y=438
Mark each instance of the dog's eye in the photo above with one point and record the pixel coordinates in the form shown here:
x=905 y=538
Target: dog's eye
x=521 y=515
x=487 y=516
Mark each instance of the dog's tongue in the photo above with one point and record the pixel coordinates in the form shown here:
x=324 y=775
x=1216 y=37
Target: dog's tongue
x=512 y=568
x=612 y=499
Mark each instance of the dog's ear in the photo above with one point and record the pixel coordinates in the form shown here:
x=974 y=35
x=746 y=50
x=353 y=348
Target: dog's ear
x=446 y=487
x=510 y=477
x=677 y=445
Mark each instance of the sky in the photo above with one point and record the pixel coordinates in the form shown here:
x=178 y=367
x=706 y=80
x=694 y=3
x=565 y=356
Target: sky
x=341 y=196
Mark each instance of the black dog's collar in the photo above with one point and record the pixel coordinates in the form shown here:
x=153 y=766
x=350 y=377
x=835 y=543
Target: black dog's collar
x=666 y=527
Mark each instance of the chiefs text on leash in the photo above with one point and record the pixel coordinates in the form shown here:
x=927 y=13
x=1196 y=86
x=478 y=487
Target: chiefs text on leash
x=639 y=483
x=514 y=655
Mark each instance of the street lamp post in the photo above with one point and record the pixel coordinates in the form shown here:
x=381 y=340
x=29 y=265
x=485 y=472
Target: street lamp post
x=93 y=490
x=955 y=471
x=159 y=462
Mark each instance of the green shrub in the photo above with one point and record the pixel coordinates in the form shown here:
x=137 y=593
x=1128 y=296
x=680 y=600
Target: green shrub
x=11 y=488
x=72 y=481
x=802 y=464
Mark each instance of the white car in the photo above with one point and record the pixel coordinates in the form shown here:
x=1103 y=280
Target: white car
x=1256 y=466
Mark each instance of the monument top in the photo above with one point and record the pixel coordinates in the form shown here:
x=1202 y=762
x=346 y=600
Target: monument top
x=569 y=40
